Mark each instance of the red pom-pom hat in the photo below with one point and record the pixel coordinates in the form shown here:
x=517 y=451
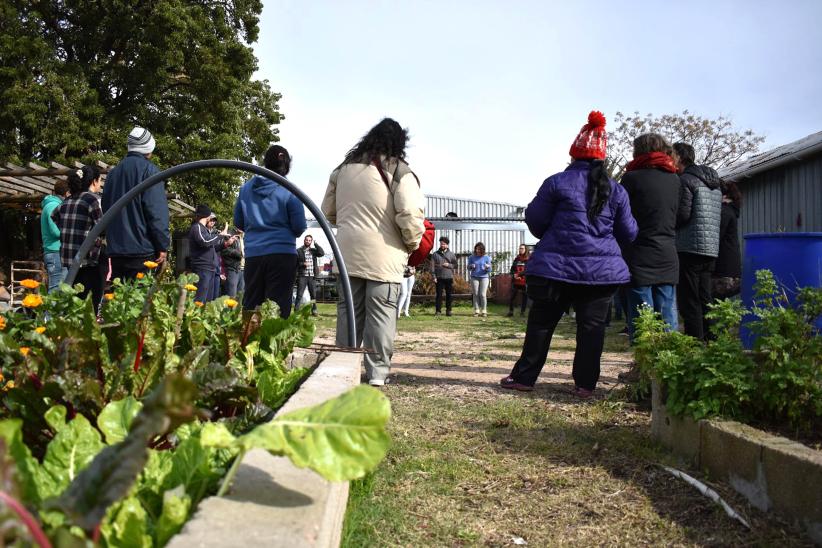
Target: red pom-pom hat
x=591 y=142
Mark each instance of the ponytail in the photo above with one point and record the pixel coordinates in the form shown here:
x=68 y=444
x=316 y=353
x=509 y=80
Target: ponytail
x=599 y=189
x=75 y=182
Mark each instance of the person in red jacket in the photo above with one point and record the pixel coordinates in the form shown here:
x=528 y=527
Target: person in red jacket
x=518 y=280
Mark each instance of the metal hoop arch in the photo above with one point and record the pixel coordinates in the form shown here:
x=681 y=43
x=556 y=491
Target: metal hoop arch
x=115 y=209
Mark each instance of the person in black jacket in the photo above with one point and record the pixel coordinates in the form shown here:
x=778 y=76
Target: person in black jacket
x=725 y=280
x=203 y=247
x=307 y=271
x=653 y=188
x=233 y=264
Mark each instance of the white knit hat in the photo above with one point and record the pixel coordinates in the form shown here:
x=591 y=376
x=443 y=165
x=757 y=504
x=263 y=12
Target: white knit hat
x=140 y=140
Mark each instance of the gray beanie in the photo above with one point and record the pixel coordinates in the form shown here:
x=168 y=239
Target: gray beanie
x=140 y=140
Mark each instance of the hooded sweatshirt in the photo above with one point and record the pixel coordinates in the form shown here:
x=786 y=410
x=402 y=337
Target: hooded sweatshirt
x=271 y=217
x=48 y=228
x=700 y=211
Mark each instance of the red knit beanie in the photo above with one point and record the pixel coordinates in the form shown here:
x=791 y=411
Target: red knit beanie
x=591 y=142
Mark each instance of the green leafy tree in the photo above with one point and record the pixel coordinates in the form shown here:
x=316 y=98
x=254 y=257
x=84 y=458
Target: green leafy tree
x=75 y=76
x=716 y=141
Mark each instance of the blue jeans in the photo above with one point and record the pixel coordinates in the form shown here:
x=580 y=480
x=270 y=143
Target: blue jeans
x=55 y=270
x=233 y=281
x=205 y=286
x=661 y=297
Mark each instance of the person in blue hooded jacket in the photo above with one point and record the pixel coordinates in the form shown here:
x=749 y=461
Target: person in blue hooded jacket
x=272 y=219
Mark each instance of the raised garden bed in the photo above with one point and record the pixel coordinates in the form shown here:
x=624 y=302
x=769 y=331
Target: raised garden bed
x=772 y=472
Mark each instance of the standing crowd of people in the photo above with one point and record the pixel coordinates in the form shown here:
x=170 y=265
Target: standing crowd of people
x=656 y=236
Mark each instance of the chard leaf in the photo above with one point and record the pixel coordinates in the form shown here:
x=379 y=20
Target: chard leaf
x=193 y=467
x=275 y=388
x=112 y=473
x=115 y=419
x=341 y=439
x=176 y=505
x=127 y=525
x=74 y=446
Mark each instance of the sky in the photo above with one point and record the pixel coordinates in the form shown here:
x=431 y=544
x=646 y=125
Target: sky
x=493 y=93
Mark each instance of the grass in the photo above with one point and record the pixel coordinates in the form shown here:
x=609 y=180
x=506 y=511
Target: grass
x=472 y=465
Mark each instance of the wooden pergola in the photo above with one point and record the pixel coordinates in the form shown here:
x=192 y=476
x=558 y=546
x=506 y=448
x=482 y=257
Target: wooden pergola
x=25 y=187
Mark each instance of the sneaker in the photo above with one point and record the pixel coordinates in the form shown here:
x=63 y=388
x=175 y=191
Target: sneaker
x=476 y=313
x=485 y=314
x=378 y=382
x=314 y=313
x=511 y=384
x=583 y=393
x=407 y=315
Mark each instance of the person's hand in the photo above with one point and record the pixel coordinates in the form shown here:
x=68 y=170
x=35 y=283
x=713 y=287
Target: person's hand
x=161 y=257
x=222 y=277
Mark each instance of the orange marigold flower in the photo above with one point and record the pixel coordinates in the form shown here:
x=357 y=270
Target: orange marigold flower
x=231 y=303
x=2 y=378
x=190 y=287
x=2 y=323
x=9 y=386
x=140 y=275
x=109 y=296
x=28 y=283
x=198 y=303
x=24 y=350
x=40 y=330
x=32 y=300
x=150 y=264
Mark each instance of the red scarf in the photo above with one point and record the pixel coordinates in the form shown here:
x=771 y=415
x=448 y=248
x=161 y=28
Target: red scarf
x=658 y=160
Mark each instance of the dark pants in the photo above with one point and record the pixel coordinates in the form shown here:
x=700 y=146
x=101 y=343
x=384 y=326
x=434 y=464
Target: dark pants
x=233 y=282
x=448 y=286
x=694 y=292
x=93 y=281
x=205 y=286
x=270 y=277
x=127 y=268
x=549 y=301
x=310 y=283
x=514 y=290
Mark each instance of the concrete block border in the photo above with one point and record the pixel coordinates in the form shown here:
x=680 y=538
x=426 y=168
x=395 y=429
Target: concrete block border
x=272 y=502
x=772 y=472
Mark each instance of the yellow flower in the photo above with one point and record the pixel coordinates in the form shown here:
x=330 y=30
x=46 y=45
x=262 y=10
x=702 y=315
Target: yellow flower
x=28 y=283
x=190 y=287
x=231 y=303
x=2 y=323
x=140 y=275
x=9 y=386
x=109 y=296
x=40 y=330
x=150 y=264
x=24 y=350
x=2 y=378
x=198 y=303
x=32 y=300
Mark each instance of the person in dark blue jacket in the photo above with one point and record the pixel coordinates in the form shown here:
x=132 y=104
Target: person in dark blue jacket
x=272 y=219
x=580 y=216
x=140 y=232
x=204 y=245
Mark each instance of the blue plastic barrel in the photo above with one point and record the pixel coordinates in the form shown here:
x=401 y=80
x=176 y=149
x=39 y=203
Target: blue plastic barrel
x=795 y=258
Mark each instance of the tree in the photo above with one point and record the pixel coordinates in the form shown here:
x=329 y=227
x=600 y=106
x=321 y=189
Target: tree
x=716 y=142
x=76 y=75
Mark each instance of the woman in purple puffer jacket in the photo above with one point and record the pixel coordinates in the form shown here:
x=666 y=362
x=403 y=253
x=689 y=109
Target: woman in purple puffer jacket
x=579 y=216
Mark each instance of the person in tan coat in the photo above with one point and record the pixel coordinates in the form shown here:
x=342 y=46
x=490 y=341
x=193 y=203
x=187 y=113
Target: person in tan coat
x=376 y=202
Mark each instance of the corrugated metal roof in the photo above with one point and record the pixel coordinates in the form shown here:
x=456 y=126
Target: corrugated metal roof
x=797 y=150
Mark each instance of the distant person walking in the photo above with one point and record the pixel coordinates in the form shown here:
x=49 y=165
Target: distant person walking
x=653 y=188
x=578 y=215
x=233 y=262
x=697 y=238
x=443 y=263
x=479 y=266
x=140 y=231
x=50 y=233
x=406 y=290
x=75 y=217
x=725 y=282
x=272 y=219
x=517 y=272
x=376 y=202
x=307 y=271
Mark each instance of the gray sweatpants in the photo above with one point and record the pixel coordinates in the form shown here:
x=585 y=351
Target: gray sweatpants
x=375 y=311
x=479 y=288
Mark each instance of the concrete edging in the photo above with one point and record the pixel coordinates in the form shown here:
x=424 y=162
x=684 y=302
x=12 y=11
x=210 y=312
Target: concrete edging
x=272 y=502
x=772 y=472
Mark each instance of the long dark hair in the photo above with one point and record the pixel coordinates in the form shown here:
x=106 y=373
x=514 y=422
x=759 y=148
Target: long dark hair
x=599 y=189
x=80 y=180
x=731 y=191
x=387 y=138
